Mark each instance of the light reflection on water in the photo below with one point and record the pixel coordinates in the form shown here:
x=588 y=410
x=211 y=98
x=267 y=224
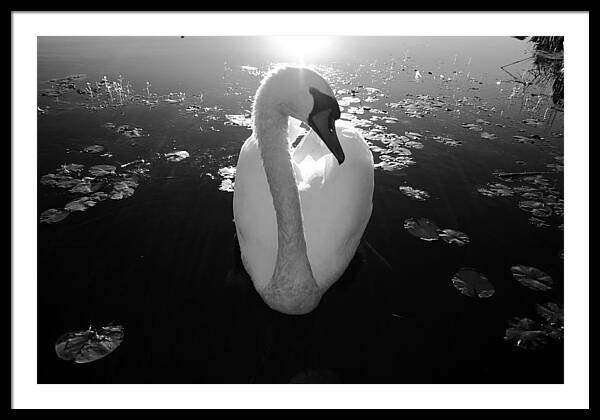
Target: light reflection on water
x=163 y=261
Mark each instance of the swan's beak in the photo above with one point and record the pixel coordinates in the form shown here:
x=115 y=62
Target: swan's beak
x=325 y=129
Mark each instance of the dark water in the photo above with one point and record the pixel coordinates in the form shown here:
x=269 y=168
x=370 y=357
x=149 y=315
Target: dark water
x=164 y=262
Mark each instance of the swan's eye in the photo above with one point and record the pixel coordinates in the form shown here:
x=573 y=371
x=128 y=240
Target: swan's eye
x=331 y=123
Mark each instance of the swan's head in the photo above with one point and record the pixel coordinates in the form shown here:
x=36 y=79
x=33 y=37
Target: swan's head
x=302 y=93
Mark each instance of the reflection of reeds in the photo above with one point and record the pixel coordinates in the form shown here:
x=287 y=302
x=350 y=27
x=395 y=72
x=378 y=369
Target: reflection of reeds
x=548 y=43
x=549 y=64
x=548 y=67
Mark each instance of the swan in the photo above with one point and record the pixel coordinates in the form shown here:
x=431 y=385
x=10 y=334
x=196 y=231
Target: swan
x=300 y=213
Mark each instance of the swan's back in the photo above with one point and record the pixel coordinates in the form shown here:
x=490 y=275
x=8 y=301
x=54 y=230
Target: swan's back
x=336 y=205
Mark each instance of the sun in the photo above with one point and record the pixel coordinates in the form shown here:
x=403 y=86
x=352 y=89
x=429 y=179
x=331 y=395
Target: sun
x=301 y=49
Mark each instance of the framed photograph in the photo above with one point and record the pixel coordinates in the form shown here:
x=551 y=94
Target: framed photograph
x=236 y=206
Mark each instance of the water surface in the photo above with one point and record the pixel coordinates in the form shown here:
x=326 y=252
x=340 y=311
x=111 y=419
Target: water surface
x=163 y=261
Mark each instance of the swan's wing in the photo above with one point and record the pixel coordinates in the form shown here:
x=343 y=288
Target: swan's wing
x=337 y=207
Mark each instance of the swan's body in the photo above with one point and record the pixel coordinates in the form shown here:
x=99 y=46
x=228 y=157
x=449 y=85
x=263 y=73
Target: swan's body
x=299 y=216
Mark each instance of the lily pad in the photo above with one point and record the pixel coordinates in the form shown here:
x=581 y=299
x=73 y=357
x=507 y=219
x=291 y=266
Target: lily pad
x=542 y=212
x=81 y=204
x=102 y=170
x=454 y=237
x=124 y=186
x=525 y=333
x=552 y=315
x=227 y=172
x=412 y=135
x=414 y=144
x=496 y=190
x=177 y=156
x=401 y=151
x=551 y=312
x=488 y=136
x=522 y=139
x=227 y=185
x=59 y=180
x=121 y=190
x=71 y=168
x=95 y=148
x=533 y=195
x=532 y=277
x=131 y=132
x=84 y=187
x=99 y=196
x=395 y=164
x=89 y=345
x=414 y=193
x=533 y=122
x=538 y=222
x=531 y=205
x=472 y=283
x=447 y=141
x=53 y=215
x=422 y=228
x=473 y=127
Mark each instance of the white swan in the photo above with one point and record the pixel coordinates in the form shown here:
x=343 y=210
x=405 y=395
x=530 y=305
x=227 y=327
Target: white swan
x=300 y=214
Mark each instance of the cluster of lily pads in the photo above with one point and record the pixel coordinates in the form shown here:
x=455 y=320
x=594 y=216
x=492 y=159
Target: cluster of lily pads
x=101 y=182
x=523 y=332
x=391 y=150
x=63 y=85
x=419 y=106
x=530 y=333
x=526 y=333
x=89 y=345
x=535 y=194
x=96 y=184
x=427 y=230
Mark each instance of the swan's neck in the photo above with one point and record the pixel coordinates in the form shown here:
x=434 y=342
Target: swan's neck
x=292 y=288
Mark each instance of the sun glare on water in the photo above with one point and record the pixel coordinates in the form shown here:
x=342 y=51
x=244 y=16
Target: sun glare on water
x=302 y=48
